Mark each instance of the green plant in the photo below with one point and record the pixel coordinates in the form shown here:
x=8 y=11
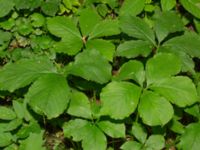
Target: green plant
x=99 y=74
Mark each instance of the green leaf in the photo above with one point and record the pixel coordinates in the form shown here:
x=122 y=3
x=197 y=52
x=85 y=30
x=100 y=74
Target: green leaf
x=131 y=145
x=37 y=20
x=168 y=4
x=132 y=69
x=65 y=28
x=5 y=139
x=89 y=134
x=5 y=7
x=105 y=28
x=50 y=7
x=191 y=137
x=75 y=129
x=21 y=110
x=27 y=4
x=119 y=99
x=95 y=139
x=106 y=48
x=132 y=7
x=193 y=110
x=137 y=28
x=134 y=48
x=24 y=26
x=27 y=144
x=168 y=22
x=7 y=113
x=157 y=69
x=178 y=90
x=192 y=6
x=154 y=109
x=155 y=142
x=23 y=72
x=86 y=23
x=79 y=105
x=49 y=95
x=176 y=126
x=114 y=130
x=27 y=129
x=139 y=132
x=90 y=65
x=4 y=36
x=188 y=43
x=12 y=125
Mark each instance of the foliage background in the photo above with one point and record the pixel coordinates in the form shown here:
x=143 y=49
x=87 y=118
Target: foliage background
x=99 y=74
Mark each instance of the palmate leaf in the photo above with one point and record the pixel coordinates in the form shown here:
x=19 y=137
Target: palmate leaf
x=65 y=28
x=23 y=72
x=178 y=90
x=154 y=109
x=91 y=65
x=119 y=99
x=49 y=95
x=137 y=28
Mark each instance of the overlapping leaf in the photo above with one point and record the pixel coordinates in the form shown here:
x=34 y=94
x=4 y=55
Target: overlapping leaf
x=49 y=95
x=154 y=109
x=65 y=28
x=22 y=73
x=90 y=65
x=119 y=99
